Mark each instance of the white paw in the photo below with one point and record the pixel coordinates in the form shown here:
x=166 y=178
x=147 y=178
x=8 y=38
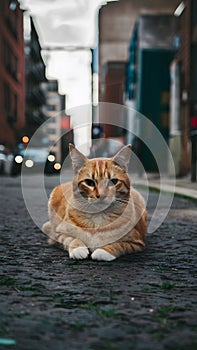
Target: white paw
x=101 y=254
x=79 y=253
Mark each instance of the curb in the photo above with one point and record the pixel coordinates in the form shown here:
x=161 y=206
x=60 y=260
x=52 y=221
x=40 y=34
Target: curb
x=167 y=188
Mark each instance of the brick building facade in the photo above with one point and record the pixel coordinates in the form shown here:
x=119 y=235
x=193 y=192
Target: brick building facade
x=12 y=74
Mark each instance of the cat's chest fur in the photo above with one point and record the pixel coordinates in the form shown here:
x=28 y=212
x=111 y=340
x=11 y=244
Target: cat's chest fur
x=95 y=230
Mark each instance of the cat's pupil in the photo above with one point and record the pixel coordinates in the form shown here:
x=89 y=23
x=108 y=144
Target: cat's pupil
x=114 y=181
x=90 y=182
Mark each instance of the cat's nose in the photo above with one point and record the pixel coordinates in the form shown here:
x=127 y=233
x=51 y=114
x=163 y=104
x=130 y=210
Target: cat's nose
x=101 y=192
x=101 y=195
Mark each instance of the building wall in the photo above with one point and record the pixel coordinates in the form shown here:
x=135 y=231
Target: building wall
x=185 y=59
x=54 y=109
x=116 y=23
x=35 y=76
x=12 y=74
x=193 y=98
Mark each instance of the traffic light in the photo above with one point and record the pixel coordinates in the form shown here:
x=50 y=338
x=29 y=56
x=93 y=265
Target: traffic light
x=97 y=131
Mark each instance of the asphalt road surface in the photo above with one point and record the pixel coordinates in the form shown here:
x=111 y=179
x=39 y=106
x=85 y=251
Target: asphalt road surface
x=142 y=301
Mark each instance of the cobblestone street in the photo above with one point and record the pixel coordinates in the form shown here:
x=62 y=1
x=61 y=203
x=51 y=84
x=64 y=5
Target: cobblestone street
x=144 y=301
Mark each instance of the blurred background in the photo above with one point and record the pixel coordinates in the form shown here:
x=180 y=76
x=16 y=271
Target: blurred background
x=58 y=55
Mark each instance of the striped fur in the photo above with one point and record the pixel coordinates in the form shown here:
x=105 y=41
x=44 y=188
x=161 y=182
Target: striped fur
x=99 y=213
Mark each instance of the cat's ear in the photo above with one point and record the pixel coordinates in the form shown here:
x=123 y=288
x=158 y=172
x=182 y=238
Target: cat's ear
x=78 y=159
x=122 y=158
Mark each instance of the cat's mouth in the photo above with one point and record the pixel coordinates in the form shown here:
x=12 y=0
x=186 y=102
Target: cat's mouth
x=101 y=203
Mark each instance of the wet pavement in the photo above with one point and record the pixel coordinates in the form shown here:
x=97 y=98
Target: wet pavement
x=142 y=301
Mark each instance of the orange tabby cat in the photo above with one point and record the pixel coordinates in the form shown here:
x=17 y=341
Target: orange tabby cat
x=99 y=213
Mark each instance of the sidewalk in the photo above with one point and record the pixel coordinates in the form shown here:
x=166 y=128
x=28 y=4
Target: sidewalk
x=180 y=186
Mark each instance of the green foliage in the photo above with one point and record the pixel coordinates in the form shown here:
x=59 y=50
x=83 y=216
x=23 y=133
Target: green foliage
x=101 y=311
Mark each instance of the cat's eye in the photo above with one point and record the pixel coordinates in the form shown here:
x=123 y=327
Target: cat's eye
x=90 y=182
x=113 y=182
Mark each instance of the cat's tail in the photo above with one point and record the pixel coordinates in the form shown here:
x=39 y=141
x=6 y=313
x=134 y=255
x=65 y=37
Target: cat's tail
x=46 y=228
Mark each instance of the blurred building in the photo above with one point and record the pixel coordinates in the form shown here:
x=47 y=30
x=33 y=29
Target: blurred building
x=54 y=110
x=57 y=130
x=116 y=24
x=116 y=28
x=183 y=59
x=193 y=120
x=188 y=58
x=12 y=73
x=113 y=76
x=35 y=76
x=148 y=81
x=179 y=115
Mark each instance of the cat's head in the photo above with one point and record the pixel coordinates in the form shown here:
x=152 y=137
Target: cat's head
x=101 y=181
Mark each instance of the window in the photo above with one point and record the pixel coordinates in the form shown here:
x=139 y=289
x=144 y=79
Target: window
x=51 y=131
x=51 y=107
x=10 y=61
x=54 y=99
x=52 y=86
x=11 y=18
x=10 y=104
x=52 y=119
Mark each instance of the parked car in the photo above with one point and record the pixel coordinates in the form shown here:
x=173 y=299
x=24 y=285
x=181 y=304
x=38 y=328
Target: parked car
x=5 y=160
x=34 y=160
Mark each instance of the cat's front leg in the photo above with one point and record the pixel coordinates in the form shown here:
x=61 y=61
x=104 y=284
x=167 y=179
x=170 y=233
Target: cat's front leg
x=114 y=250
x=101 y=254
x=77 y=250
x=75 y=247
